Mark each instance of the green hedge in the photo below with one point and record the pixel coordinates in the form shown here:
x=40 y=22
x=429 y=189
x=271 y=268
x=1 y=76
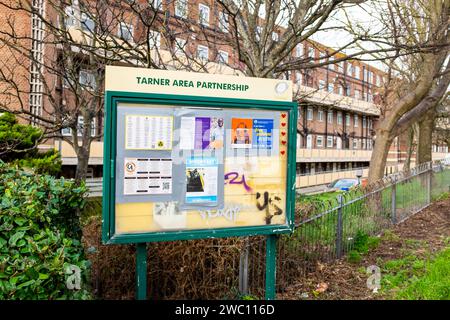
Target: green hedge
x=40 y=236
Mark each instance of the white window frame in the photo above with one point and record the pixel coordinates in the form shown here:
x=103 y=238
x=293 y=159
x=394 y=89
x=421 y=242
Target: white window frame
x=339 y=117
x=357 y=72
x=364 y=122
x=320 y=115
x=347 y=120
x=275 y=36
x=330 y=141
x=349 y=69
x=299 y=50
x=330 y=117
x=330 y=88
x=200 y=49
x=203 y=14
x=321 y=84
x=70 y=19
x=155 y=4
x=181 y=8
x=357 y=94
x=222 y=57
x=83 y=26
x=340 y=90
x=310 y=114
x=128 y=27
x=90 y=84
x=311 y=52
x=355 y=121
x=223 y=22
x=319 y=138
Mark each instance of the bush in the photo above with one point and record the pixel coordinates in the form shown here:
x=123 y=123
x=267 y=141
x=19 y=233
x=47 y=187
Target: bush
x=39 y=236
x=42 y=163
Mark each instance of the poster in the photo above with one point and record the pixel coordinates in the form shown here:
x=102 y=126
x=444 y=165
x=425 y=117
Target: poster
x=201 y=180
x=147 y=176
x=263 y=133
x=200 y=133
x=148 y=132
x=241 y=133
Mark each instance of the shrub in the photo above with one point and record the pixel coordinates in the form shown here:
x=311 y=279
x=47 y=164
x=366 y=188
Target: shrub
x=39 y=236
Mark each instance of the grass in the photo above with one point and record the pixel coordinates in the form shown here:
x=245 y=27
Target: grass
x=413 y=278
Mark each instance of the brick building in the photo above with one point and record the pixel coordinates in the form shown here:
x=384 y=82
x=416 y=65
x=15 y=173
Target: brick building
x=337 y=112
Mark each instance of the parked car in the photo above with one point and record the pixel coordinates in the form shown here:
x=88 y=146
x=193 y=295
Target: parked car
x=345 y=184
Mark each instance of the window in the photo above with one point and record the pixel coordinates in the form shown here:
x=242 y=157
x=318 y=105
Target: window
x=364 y=122
x=203 y=14
x=340 y=90
x=355 y=120
x=320 y=115
x=125 y=31
x=341 y=66
x=357 y=72
x=154 y=39
x=378 y=80
x=348 y=91
x=311 y=52
x=319 y=141
x=339 y=118
x=223 y=21
x=329 y=142
x=70 y=18
x=80 y=126
x=363 y=144
x=87 y=79
x=202 y=53
x=258 y=32
x=357 y=94
x=180 y=46
x=330 y=116
x=330 y=87
x=310 y=115
x=321 y=84
x=275 y=36
x=355 y=143
x=156 y=4
x=299 y=50
x=222 y=57
x=349 y=69
x=322 y=57
x=181 y=8
x=347 y=120
x=298 y=78
x=87 y=23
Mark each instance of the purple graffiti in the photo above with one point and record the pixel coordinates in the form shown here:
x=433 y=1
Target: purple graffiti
x=233 y=179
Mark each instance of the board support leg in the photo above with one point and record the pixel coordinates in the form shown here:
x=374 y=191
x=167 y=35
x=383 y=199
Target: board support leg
x=141 y=271
x=271 y=267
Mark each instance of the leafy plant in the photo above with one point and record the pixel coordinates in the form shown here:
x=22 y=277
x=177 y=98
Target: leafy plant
x=39 y=236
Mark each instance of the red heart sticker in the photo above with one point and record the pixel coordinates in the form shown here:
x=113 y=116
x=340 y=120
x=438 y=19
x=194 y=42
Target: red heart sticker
x=284 y=115
x=282 y=152
x=283 y=124
x=283 y=142
x=283 y=133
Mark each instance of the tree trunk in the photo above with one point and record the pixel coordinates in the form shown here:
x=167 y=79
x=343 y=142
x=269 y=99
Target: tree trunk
x=82 y=165
x=379 y=155
x=425 y=138
x=410 y=149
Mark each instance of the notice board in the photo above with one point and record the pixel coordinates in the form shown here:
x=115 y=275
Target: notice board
x=189 y=155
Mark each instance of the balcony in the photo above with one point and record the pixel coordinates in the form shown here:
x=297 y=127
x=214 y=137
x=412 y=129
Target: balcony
x=323 y=178
x=332 y=155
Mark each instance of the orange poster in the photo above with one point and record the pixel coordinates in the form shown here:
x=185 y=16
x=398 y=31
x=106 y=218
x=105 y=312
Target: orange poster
x=241 y=133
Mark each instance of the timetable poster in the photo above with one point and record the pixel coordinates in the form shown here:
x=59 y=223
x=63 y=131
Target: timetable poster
x=201 y=180
x=148 y=132
x=147 y=176
x=263 y=133
x=200 y=133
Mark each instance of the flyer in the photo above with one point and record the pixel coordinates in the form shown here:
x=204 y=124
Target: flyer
x=148 y=132
x=201 y=180
x=200 y=133
x=147 y=176
x=263 y=133
x=241 y=133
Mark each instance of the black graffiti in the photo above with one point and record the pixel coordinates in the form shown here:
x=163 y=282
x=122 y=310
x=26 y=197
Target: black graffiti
x=270 y=205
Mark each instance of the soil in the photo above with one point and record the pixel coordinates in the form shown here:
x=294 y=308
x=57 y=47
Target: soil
x=426 y=231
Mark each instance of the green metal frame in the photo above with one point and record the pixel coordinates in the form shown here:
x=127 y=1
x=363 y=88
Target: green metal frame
x=112 y=98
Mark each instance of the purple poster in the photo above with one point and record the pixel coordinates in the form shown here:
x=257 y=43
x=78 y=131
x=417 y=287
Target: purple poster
x=202 y=126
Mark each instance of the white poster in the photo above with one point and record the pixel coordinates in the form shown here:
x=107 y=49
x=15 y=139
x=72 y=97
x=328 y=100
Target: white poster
x=147 y=176
x=148 y=132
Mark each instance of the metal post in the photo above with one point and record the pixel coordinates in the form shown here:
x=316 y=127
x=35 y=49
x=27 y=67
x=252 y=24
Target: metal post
x=394 y=202
x=141 y=271
x=429 y=173
x=243 y=269
x=339 y=228
x=271 y=259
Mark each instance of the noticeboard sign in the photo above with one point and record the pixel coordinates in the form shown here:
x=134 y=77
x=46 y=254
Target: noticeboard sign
x=191 y=155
